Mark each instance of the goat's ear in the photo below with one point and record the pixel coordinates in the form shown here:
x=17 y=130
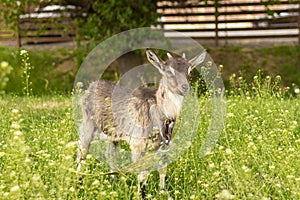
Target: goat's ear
x=196 y=61
x=155 y=60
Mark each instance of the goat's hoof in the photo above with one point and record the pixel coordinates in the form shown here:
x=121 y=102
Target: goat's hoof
x=143 y=191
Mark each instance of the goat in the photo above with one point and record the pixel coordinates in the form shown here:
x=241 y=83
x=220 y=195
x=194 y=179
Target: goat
x=110 y=116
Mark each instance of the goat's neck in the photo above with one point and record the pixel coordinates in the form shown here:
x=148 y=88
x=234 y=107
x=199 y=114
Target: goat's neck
x=168 y=102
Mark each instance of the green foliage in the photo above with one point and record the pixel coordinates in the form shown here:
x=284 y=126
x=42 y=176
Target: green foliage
x=111 y=17
x=11 y=11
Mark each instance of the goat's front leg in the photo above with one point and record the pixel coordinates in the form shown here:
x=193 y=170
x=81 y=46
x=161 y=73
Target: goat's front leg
x=142 y=183
x=162 y=175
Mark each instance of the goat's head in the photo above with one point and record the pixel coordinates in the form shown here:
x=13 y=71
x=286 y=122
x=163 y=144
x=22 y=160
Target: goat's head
x=175 y=71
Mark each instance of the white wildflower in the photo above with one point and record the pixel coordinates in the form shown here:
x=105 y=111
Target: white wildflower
x=245 y=168
x=271 y=167
x=51 y=163
x=18 y=133
x=72 y=144
x=230 y=115
x=216 y=173
x=4 y=64
x=290 y=176
x=265 y=198
x=36 y=178
x=225 y=194
x=23 y=51
x=211 y=165
x=15 y=188
x=15 y=111
x=79 y=85
x=15 y=126
x=228 y=151
x=176 y=192
x=96 y=182
x=2 y=154
x=68 y=157
x=162 y=192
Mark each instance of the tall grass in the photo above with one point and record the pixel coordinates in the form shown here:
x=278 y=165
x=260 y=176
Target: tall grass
x=256 y=157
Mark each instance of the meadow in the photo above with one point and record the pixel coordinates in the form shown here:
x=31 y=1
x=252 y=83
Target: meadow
x=256 y=156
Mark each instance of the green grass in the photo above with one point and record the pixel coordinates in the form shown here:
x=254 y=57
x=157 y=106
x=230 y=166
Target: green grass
x=256 y=157
x=54 y=70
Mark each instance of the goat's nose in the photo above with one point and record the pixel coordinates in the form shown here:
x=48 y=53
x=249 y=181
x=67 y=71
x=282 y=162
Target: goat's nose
x=185 y=87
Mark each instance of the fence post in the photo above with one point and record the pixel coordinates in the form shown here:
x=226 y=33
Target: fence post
x=18 y=33
x=299 y=23
x=216 y=23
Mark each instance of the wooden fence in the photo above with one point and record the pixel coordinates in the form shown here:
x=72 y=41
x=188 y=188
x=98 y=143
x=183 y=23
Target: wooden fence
x=42 y=26
x=216 y=20
x=232 y=19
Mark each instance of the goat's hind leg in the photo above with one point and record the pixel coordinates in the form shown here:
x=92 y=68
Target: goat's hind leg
x=86 y=136
x=137 y=151
x=87 y=131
